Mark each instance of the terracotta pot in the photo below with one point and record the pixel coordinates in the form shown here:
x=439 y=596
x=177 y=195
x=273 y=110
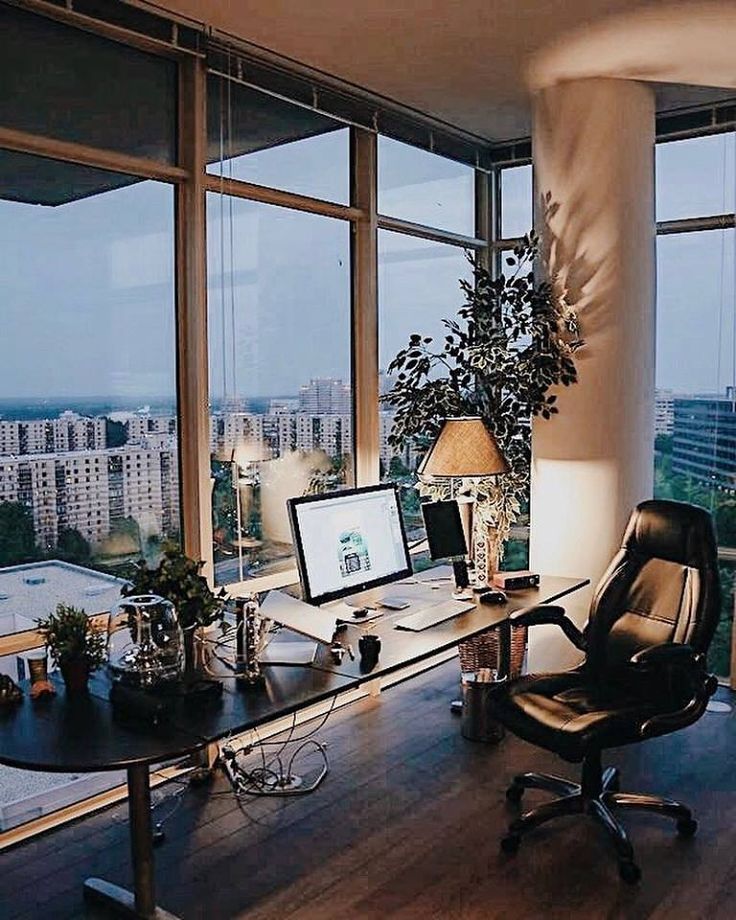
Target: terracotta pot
x=76 y=676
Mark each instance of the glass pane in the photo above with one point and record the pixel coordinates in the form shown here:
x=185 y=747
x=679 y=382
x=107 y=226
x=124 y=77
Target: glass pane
x=255 y=137
x=66 y=83
x=695 y=177
x=425 y=188
x=418 y=287
x=279 y=321
x=88 y=454
x=516 y=201
x=695 y=421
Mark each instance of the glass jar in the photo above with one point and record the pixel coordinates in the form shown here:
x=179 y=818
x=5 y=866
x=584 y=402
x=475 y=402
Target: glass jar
x=145 y=644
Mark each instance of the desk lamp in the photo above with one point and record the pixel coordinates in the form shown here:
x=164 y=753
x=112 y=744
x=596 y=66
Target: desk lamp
x=465 y=449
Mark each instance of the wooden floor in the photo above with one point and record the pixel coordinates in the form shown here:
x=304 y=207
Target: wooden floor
x=406 y=826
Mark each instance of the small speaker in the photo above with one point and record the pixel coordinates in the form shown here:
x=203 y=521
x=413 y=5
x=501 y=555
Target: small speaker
x=515 y=581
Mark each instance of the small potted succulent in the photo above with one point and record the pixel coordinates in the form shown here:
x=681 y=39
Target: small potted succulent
x=76 y=645
x=178 y=579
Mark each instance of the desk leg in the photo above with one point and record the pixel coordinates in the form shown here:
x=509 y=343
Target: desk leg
x=140 y=905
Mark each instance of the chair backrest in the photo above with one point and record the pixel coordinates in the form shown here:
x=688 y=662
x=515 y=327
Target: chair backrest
x=662 y=586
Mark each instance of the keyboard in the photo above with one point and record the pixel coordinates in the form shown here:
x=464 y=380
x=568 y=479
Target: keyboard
x=431 y=616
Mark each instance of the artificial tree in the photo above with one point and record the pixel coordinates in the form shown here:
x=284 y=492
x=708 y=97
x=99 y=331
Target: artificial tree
x=513 y=339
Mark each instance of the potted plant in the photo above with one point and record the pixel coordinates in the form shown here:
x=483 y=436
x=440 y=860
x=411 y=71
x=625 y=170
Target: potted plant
x=512 y=340
x=76 y=645
x=179 y=579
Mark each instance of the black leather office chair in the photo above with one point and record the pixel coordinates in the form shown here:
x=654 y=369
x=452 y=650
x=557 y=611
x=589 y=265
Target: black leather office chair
x=651 y=621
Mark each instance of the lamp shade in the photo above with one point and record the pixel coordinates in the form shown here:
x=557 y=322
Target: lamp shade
x=464 y=448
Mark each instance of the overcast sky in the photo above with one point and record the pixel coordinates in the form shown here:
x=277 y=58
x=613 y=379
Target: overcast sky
x=87 y=294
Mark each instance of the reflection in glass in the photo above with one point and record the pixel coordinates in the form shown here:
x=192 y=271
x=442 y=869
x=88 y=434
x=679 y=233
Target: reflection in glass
x=425 y=188
x=255 y=137
x=516 y=201
x=281 y=405
x=695 y=177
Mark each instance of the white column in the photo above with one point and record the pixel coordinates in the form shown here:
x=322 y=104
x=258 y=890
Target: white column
x=593 y=148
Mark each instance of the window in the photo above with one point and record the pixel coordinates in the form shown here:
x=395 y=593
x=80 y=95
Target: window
x=695 y=420
x=68 y=84
x=88 y=263
x=424 y=188
x=418 y=287
x=255 y=137
x=695 y=177
x=280 y=375
x=516 y=201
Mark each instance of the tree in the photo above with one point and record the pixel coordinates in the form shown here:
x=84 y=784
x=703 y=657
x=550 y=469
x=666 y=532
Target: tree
x=116 y=433
x=17 y=540
x=513 y=340
x=72 y=547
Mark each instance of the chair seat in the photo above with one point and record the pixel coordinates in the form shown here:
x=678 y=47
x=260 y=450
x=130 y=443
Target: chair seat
x=566 y=714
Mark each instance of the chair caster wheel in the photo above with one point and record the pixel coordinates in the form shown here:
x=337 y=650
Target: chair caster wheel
x=510 y=843
x=687 y=827
x=629 y=872
x=514 y=793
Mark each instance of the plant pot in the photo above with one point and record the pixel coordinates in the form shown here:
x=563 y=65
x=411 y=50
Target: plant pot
x=76 y=676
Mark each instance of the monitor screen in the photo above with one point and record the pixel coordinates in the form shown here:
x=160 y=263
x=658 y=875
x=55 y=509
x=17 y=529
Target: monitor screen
x=348 y=541
x=444 y=529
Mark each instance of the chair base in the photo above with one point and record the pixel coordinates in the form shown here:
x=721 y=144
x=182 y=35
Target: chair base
x=597 y=795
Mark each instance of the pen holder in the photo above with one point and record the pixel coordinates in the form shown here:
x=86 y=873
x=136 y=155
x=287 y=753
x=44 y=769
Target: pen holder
x=370 y=648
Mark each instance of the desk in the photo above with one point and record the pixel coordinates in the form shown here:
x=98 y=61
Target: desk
x=81 y=734
x=400 y=648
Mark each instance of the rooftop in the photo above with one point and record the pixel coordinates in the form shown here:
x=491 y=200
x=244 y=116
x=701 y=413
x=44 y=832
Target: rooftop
x=33 y=590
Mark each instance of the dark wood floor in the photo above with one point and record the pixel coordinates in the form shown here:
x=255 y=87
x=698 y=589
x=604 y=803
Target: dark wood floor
x=406 y=826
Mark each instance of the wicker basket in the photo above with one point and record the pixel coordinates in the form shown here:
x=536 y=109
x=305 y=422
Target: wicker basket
x=482 y=651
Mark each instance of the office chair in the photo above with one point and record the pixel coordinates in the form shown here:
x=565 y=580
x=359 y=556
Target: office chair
x=651 y=621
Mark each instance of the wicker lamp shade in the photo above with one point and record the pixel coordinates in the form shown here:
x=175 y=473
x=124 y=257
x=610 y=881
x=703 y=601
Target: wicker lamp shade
x=464 y=448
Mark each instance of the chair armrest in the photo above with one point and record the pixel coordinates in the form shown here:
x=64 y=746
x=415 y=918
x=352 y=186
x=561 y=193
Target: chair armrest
x=665 y=654
x=549 y=615
x=677 y=658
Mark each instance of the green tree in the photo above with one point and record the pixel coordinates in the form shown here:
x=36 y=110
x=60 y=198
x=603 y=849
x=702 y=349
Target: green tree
x=17 y=540
x=72 y=547
x=116 y=433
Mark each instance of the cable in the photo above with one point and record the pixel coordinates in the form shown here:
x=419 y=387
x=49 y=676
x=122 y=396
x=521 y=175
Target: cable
x=272 y=777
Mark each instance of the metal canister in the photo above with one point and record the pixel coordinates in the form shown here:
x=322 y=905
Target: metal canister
x=478 y=723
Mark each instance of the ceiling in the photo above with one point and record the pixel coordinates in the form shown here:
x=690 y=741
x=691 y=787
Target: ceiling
x=463 y=61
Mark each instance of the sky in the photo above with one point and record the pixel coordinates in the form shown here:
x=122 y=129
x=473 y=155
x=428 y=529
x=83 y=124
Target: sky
x=82 y=281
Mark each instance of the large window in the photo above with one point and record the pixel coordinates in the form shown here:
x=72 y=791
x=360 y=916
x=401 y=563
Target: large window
x=418 y=279
x=280 y=378
x=424 y=188
x=418 y=287
x=259 y=138
x=695 y=422
x=89 y=474
x=695 y=177
x=516 y=201
x=113 y=352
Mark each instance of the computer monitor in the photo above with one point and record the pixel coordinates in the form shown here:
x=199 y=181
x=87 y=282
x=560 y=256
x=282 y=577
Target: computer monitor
x=348 y=542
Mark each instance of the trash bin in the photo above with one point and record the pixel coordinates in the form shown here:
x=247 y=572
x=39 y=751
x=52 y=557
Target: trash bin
x=477 y=722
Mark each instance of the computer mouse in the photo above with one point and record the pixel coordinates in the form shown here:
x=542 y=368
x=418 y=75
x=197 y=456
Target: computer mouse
x=360 y=613
x=494 y=596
